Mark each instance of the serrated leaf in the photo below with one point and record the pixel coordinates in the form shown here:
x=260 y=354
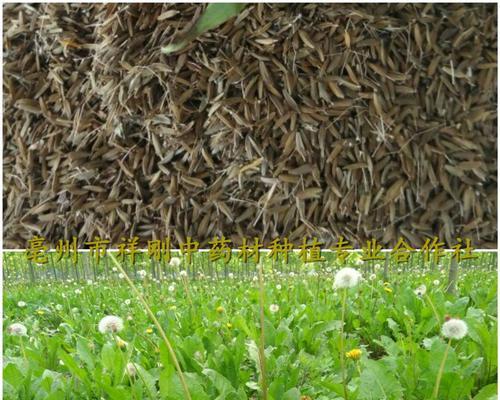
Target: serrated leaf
x=378 y=382
x=489 y=392
x=72 y=366
x=83 y=351
x=292 y=394
x=221 y=383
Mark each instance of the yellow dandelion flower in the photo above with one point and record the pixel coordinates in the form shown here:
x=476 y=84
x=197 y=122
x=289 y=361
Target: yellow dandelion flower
x=229 y=325
x=388 y=289
x=149 y=330
x=354 y=354
x=40 y=312
x=220 y=309
x=120 y=342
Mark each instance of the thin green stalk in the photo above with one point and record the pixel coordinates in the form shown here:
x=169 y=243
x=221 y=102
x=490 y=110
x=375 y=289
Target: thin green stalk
x=318 y=286
x=151 y=395
x=342 y=350
x=157 y=324
x=262 y=355
x=23 y=351
x=185 y=283
x=132 y=382
x=124 y=360
x=411 y=351
x=440 y=372
x=373 y=301
x=438 y=319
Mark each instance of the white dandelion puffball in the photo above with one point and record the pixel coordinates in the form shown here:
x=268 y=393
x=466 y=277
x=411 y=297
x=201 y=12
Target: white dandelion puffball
x=121 y=276
x=142 y=273
x=454 y=328
x=115 y=269
x=328 y=269
x=78 y=291
x=127 y=302
x=230 y=275
x=59 y=307
x=171 y=288
x=436 y=282
x=274 y=308
x=346 y=278
x=175 y=261
x=278 y=286
x=291 y=274
x=420 y=291
x=17 y=329
x=21 y=304
x=110 y=324
x=372 y=277
x=183 y=273
x=131 y=369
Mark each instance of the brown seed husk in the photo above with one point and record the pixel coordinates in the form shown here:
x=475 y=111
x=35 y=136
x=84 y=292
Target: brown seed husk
x=367 y=121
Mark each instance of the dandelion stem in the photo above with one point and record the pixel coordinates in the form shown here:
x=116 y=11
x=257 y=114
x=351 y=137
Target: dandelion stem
x=186 y=289
x=124 y=361
x=440 y=372
x=358 y=368
x=23 y=350
x=157 y=324
x=262 y=355
x=438 y=319
x=342 y=351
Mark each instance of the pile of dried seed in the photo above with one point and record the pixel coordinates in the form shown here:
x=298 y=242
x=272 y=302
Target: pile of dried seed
x=367 y=121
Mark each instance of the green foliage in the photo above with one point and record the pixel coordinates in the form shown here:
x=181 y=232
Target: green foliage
x=215 y=14
x=377 y=381
x=67 y=357
x=489 y=392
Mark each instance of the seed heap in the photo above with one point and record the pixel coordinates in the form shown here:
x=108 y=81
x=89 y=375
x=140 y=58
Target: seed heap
x=367 y=121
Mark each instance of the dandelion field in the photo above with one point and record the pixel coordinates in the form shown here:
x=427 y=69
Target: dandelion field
x=394 y=342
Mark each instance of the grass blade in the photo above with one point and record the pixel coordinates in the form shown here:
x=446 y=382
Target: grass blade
x=215 y=14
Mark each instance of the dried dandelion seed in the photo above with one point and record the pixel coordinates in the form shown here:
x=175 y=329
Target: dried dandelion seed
x=303 y=131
